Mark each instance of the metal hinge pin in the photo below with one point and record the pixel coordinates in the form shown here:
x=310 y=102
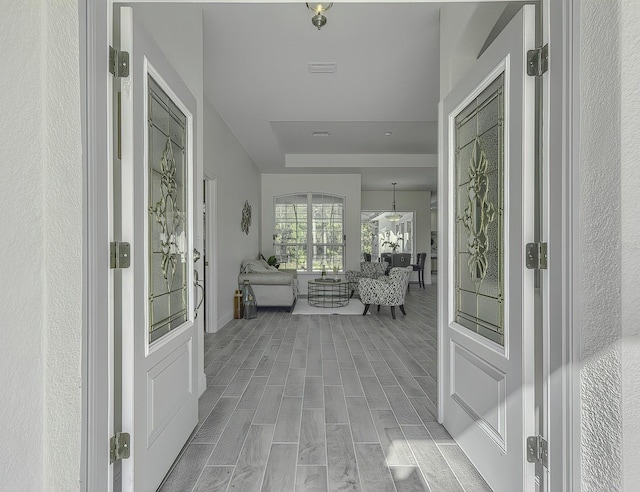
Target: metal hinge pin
x=536 y=256
x=118 y=62
x=538 y=61
x=119 y=446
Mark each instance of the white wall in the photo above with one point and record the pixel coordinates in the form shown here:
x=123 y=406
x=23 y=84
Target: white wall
x=63 y=232
x=463 y=30
x=630 y=227
x=21 y=199
x=237 y=180
x=600 y=241
x=41 y=199
x=347 y=185
x=420 y=203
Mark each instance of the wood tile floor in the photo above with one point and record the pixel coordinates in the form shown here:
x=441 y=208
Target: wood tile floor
x=324 y=403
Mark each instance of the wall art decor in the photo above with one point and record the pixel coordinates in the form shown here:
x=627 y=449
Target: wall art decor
x=246 y=217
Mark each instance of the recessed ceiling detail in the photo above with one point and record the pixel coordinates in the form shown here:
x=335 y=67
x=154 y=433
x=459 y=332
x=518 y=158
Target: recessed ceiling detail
x=254 y=75
x=361 y=160
x=357 y=137
x=322 y=67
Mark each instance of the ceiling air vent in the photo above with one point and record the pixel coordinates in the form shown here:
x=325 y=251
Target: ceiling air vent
x=323 y=67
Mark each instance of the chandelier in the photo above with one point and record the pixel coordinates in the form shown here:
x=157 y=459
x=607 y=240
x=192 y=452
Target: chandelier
x=319 y=8
x=394 y=216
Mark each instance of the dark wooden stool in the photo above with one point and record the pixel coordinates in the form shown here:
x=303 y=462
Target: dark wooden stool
x=419 y=267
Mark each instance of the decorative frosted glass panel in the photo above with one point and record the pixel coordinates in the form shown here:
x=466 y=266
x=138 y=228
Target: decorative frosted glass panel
x=479 y=241
x=168 y=292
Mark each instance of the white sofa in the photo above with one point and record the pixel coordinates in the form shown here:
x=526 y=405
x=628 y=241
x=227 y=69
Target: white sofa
x=272 y=287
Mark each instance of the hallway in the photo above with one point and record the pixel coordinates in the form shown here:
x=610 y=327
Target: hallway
x=324 y=403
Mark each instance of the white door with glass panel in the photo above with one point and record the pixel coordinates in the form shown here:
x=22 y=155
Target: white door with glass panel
x=159 y=341
x=486 y=295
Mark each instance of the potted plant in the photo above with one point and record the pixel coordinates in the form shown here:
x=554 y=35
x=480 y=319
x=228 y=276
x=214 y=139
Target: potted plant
x=273 y=261
x=393 y=245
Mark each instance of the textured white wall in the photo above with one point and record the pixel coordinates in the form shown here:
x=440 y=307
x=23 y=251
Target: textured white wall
x=630 y=197
x=237 y=180
x=63 y=226
x=41 y=199
x=600 y=246
x=22 y=245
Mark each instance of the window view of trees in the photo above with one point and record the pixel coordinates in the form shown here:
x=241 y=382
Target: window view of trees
x=368 y=232
x=295 y=216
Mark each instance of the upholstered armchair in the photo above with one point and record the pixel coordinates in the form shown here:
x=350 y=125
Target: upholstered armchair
x=368 y=269
x=386 y=291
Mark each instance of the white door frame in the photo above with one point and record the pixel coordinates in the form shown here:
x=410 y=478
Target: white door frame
x=561 y=29
x=211 y=269
x=97 y=418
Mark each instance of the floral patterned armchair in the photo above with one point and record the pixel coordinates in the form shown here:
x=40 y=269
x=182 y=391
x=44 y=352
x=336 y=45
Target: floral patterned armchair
x=368 y=269
x=386 y=291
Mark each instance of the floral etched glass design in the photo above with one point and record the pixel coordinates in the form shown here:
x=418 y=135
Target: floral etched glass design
x=168 y=292
x=479 y=233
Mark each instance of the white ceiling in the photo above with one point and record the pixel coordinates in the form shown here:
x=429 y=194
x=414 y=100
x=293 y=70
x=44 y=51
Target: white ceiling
x=387 y=80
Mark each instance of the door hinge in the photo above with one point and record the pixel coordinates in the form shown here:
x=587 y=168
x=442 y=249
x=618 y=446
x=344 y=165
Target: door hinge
x=537 y=450
x=119 y=255
x=536 y=256
x=538 y=61
x=118 y=62
x=119 y=448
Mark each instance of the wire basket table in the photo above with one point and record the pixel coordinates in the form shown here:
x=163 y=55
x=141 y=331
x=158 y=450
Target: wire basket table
x=328 y=293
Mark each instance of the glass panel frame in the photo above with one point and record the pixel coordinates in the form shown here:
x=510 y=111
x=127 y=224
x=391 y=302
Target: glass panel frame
x=169 y=219
x=479 y=213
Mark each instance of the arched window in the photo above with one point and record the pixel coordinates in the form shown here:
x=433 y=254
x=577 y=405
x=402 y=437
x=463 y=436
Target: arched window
x=309 y=231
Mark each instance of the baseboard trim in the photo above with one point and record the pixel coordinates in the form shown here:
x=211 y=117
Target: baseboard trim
x=202 y=384
x=224 y=320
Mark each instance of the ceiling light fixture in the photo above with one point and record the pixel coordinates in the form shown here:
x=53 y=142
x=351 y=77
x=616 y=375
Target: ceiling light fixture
x=319 y=8
x=320 y=134
x=394 y=216
x=387 y=134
